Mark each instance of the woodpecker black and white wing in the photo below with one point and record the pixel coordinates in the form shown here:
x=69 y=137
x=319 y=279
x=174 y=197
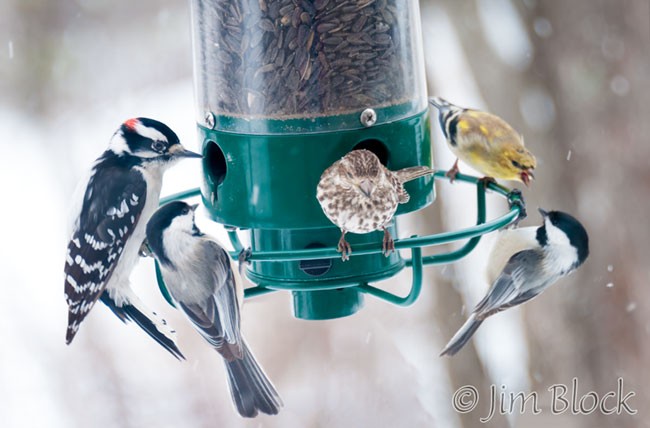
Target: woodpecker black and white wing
x=113 y=202
x=516 y=284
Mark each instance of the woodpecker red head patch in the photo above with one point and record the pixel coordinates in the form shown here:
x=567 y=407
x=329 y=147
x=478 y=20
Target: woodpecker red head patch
x=132 y=123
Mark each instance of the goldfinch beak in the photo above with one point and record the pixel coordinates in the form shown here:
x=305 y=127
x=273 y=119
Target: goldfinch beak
x=527 y=176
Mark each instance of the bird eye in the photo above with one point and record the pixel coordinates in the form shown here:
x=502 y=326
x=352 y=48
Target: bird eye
x=158 y=146
x=186 y=210
x=516 y=164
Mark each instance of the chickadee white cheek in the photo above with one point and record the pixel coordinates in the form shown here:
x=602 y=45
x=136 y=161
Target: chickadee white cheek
x=556 y=236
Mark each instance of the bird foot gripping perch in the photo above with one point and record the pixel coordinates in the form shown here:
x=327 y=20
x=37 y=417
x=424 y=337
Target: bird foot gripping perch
x=244 y=258
x=388 y=244
x=453 y=172
x=516 y=199
x=344 y=248
x=485 y=181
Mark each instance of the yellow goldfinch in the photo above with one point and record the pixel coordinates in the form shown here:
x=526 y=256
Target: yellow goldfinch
x=485 y=142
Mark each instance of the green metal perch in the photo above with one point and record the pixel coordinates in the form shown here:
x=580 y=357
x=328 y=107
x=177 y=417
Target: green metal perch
x=414 y=243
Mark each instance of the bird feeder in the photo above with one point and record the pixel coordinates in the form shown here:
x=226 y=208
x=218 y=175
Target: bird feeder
x=284 y=88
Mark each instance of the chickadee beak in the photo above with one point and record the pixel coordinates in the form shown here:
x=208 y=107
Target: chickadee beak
x=366 y=187
x=194 y=207
x=543 y=212
x=179 y=151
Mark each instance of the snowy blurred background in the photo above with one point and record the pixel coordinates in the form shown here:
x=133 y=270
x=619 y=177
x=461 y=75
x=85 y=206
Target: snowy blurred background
x=572 y=76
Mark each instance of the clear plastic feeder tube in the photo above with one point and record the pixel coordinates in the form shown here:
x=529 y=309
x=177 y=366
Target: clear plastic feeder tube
x=313 y=65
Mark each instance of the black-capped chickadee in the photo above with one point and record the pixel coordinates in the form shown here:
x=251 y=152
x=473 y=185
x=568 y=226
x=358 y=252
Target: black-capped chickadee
x=119 y=197
x=208 y=289
x=523 y=263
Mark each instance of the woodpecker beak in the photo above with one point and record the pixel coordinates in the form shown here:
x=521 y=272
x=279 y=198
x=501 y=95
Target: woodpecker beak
x=527 y=176
x=194 y=207
x=179 y=151
x=366 y=187
x=542 y=212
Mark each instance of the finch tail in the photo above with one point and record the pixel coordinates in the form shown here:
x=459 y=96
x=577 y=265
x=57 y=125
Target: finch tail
x=154 y=328
x=251 y=389
x=462 y=336
x=411 y=173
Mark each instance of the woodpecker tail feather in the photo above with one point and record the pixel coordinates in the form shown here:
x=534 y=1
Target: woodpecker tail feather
x=462 y=336
x=156 y=328
x=73 y=327
x=251 y=389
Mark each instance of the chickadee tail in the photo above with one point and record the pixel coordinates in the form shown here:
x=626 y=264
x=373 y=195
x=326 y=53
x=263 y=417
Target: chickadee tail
x=129 y=312
x=411 y=173
x=251 y=389
x=462 y=336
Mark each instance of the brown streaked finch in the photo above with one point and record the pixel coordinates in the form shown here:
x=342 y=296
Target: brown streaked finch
x=360 y=195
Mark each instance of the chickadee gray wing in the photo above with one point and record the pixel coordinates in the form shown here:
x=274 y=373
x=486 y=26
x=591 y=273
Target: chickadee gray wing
x=217 y=317
x=515 y=285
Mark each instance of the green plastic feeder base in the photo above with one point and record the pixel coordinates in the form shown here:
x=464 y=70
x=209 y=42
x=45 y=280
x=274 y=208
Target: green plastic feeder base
x=267 y=183
x=257 y=181
x=327 y=304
